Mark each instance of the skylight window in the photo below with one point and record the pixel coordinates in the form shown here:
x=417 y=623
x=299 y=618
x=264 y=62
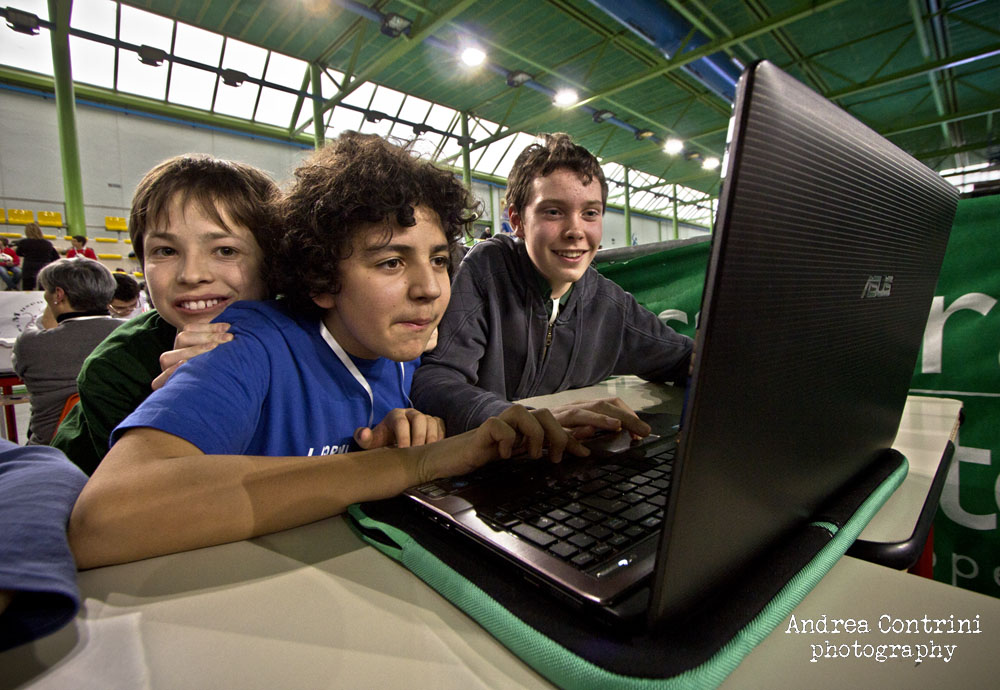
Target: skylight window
x=96 y=16
x=143 y=28
x=518 y=143
x=198 y=45
x=286 y=71
x=31 y=53
x=192 y=87
x=93 y=63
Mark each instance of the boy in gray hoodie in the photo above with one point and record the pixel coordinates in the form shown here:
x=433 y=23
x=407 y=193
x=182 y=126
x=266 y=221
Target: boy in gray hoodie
x=530 y=316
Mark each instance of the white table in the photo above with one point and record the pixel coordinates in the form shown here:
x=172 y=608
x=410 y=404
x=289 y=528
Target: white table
x=313 y=607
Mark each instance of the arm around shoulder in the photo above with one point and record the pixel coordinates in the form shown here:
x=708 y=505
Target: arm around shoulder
x=156 y=494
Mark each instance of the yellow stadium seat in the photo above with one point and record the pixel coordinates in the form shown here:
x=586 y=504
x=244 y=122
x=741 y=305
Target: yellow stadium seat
x=17 y=216
x=50 y=219
x=3 y=215
x=115 y=223
x=105 y=239
x=109 y=256
x=49 y=237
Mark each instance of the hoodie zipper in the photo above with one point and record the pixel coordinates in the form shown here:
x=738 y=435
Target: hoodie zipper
x=548 y=341
x=552 y=325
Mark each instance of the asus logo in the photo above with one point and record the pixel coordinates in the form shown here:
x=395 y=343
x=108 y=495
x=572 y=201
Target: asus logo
x=877 y=286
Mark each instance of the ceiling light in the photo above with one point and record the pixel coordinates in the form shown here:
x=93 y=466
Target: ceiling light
x=148 y=55
x=233 y=77
x=603 y=115
x=517 y=77
x=641 y=134
x=22 y=22
x=473 y=57
x=710 y=163
x=394 y=24
x=673 y=146
x=565 y=97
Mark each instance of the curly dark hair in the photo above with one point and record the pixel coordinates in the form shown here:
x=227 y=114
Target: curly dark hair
x=352 y=182
x=244 y=192
x=538 y=160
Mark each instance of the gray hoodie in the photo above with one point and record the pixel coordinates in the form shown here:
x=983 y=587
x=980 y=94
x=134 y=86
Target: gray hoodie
x=492 y=342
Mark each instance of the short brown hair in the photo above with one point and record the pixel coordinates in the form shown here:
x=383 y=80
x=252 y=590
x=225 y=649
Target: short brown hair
x=557 y=151
x=246 y=194
x=355 y=180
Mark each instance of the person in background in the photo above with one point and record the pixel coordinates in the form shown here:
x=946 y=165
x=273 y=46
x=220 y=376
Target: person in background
x=48 y=360
x=38 y=590
x=125 y=302
x=531 y=316
x=80 y=248
x=36 y=252
x=306 y=411
x=10 y=265
x=200 y=227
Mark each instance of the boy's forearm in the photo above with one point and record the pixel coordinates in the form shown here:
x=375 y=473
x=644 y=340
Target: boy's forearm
x=133 y=509
x=444 y=392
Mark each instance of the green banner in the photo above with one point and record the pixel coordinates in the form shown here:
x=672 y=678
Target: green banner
x=668 y=283
x=960 y=358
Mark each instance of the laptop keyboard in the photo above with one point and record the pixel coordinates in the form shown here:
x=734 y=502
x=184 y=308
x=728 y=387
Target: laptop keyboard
x=584 y=517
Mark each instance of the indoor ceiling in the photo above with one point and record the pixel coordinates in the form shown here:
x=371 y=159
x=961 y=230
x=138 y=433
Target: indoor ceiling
x=924 y=73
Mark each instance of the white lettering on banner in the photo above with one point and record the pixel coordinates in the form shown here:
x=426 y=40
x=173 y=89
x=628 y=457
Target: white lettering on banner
x=950 y=495
x=934 y=332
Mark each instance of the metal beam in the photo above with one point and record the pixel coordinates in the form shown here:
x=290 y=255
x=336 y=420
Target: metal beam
x=944 y=153
x=721 y=44
x=117 y=99
x=941 y=120
x=401 y=47
x=926 y=68
x=69 y=148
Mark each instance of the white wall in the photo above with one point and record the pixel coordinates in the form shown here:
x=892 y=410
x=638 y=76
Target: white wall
x=116 y=150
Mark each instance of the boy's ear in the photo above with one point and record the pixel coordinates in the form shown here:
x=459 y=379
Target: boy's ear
x=325 y=300
x=515 y=222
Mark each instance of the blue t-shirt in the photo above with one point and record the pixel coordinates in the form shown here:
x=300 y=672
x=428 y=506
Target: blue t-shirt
x=278 y=388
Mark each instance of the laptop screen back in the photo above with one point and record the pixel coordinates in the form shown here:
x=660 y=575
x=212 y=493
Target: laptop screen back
x=825 y=256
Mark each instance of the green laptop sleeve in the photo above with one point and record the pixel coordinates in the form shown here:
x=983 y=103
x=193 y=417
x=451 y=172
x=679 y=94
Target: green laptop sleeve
x=574 y=651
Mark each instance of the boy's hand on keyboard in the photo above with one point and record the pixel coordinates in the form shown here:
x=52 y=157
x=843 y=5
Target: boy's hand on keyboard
x=588 y=417
x=401 y=428
x=517 y=430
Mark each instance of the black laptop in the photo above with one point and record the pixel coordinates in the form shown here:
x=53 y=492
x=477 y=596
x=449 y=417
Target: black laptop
x=825 y=255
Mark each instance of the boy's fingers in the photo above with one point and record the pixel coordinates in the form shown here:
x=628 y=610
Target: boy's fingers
x=402 y=429
x=559 y=439
x=161 y=380
x=504 y=435
x=608 y=414
x=363 y=436
x=197 y=333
